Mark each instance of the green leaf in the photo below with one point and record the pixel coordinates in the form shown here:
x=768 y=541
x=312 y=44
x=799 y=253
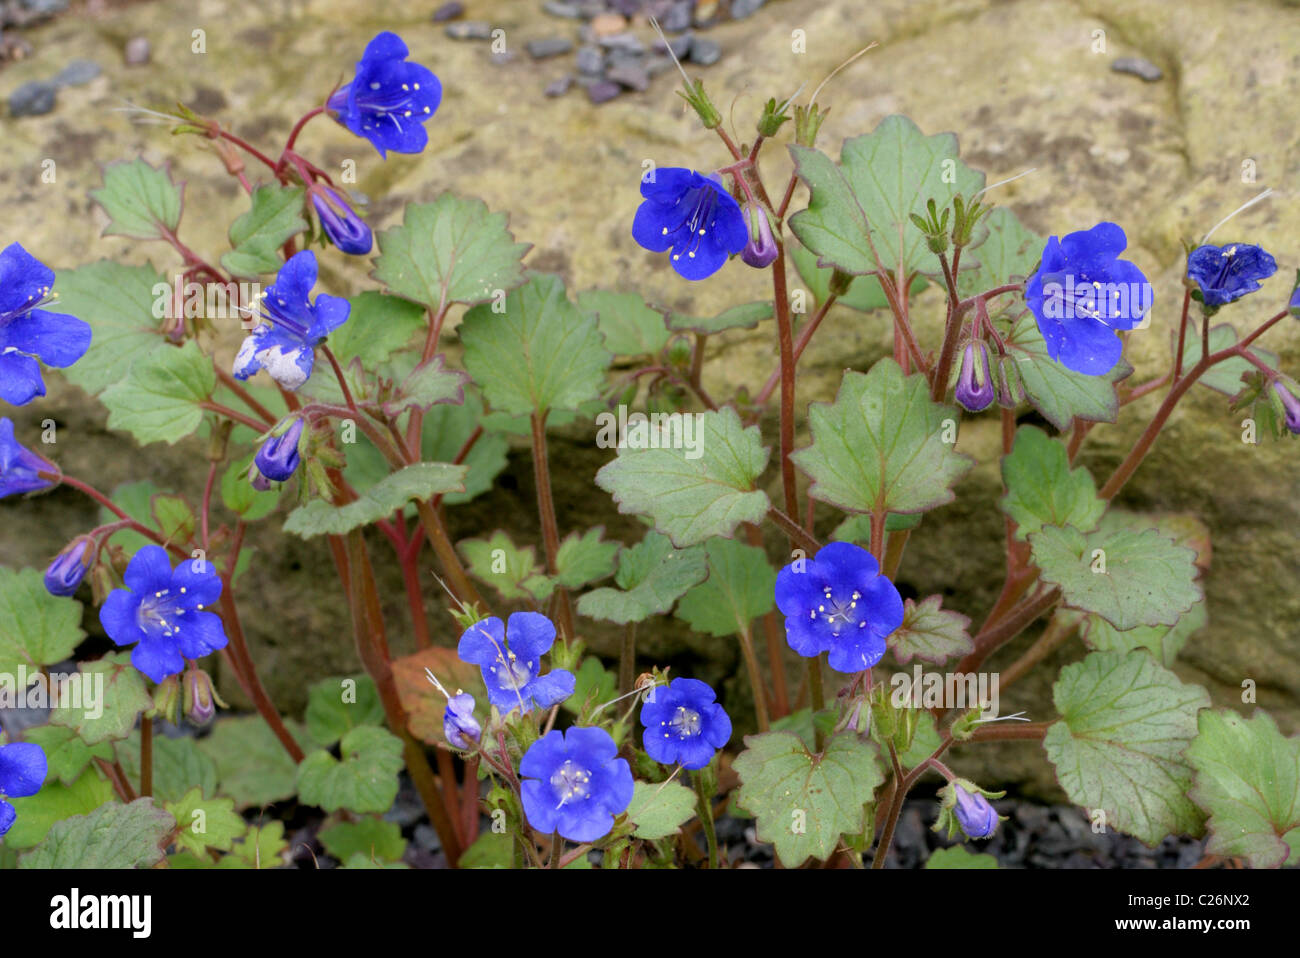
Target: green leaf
x=1246 y=775
x=372 y=838
x=111 y=711
x=423 y=480
x=141 y=201
x=925 y=742
x=1060 y=394
x=541 y=353
x=360 y=860
x=261 y=847
x=205 y=823
x=253 y=767
x=1118 y=748
x=510 y=569
x=336 y=706
x=429 y=384
x=447 y=428
x=1223 y=377
x=66 y=754
x=883 y=177
x=585 y=557
x=239 y=496
x=112 y=836
x=159 y=399
x=1011 y=252
x=1162 y=641
x=630 y=327
x=959 y=856
x=55 y=802
x=36 y=628
x=1042 y=489
x=929 y=632
x=695 y=486
x=864 y=293
x=124 y=307
x=449 y=251
x=660 y=809
x=378 y=326
x=745 y=316
x=256 y=237
x=364 y=781
x=880 y=446
x=1128 y=577
x=178 y=766
x=652 y=575
x=805 y=802
x=739 y=589
x=591 y=681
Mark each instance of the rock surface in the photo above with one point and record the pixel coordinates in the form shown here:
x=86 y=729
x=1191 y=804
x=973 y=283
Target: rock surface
x=1023 y=84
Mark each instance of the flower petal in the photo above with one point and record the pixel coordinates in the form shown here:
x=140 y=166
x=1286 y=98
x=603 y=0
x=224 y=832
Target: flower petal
x=149 y=571
x=23 y=768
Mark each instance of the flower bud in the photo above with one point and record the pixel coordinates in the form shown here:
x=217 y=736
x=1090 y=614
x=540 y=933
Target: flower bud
x=1290 y=408
x=70 y=566
x=458 y=722
x=201 y=699
x=974 y=385
x=973 y=812
x=278 y=457
x=761 y=249
x=1011 y=388
x=257 y=480
x=341 y=224
x=167 y=700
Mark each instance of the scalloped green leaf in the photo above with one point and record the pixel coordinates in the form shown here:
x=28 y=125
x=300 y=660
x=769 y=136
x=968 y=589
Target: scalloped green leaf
x=204 y=823
x=423 y=480
x=1118 y=747
x=253 y=767
x=959 y=856
x=651 y=576
x=585 y=557
x=1042 y=489
x=373 y=838
x=378 y=326
x=1011 y=252
x=738 y=590
x=141 y=200
x=1246 y=775
x=65 y=753
x=37 y=814
x=930 y=632
x=630 y=327
x=429 y=384
x=1162 y=641
x=178 y=765
x=336 y=706
x=803 y=801
x=864 y=293
x=257 y=236
x=159 y=399
x=693 y=486
x=36 y=628
x=745 y=316
x=880 y=446
x=514 y=571
x=365 y=780
x=112 y=836
x=110 y=711
x=660 y=809
x=1128 y=577
x=452 y=250
x=122 y=304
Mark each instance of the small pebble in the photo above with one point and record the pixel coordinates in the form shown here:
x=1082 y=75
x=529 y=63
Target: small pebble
x=470 y=30
x=705 y=52
x=627 y=7
x=570 y=11
x=744 y=8
x=659 y=63
x=631 y=75
x=45 y=8
x=628 y=42
x=77 y=73
x=603 y=91
x=560 y=86
x=499 y=57
x=590 y=59
x=678 y=17
x=548 y=47
x=137 y=51
x=1139 y=67
x=680 y=46
x=448 y=11
x=33 y=99
x=608 y=24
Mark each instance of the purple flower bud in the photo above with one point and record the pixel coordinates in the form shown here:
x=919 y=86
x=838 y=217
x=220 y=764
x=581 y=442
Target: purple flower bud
x=761 y=249
x=974 y=813
x=458 y=722
x=257 y=480
x=974 y=385
x=70 y=566
x=278 y=457
x=1011 y=388
x=200 y=697
x=1293 y=305
x=1290 y=404
x=342 y=225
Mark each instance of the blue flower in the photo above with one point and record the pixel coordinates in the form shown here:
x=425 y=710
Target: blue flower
x=284 y=344
x=575 y=783
x=510 y=658
x=28 y=333
x=972 y=810
x=161 y=612
x=1082 y=293
x=1290 y=407
x=70 y=566
x=341 y=224
x=839 y=603
x=389 y=100
x=19 y=465
x=459 y=725
x=974 y=382
x=683 y=724
x=22 y=773
x=692 y=215
x=1228 y=272
x=278 y=457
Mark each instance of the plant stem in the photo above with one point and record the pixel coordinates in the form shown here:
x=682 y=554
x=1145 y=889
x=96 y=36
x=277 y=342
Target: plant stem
x=297 y=127
x=756 y=683
x=704 y=808
x=796 y=532
x=627 y=660
x=817 y=696
x=146 y=757
x=895 y=807
x=785 y=344
x=550 y=526
x=1057 y=632
x=234 y=385
x=446 y=552
x=256 y=425
x=243 y=663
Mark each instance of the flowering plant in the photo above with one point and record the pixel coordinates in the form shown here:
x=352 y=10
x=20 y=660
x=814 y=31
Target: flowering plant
x=380 y=380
